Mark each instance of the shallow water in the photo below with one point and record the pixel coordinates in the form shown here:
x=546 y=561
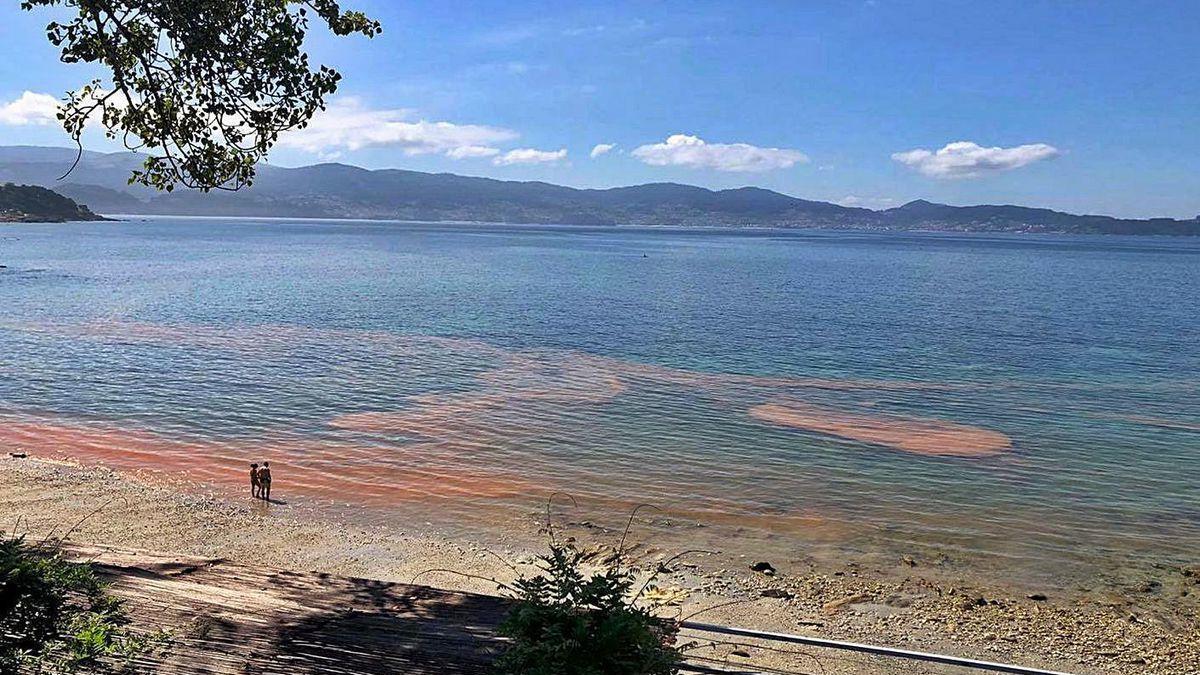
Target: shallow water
x=1029 y=402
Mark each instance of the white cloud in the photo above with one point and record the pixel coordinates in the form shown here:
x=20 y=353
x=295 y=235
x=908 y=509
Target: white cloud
x=854 y=201
x=348 y=125
x=530 y=156
x=602 y=148
x=30 y=108
x=964 y=159
x=690 y=151
x=495 y=68
x=580 y=31
x=470 y=151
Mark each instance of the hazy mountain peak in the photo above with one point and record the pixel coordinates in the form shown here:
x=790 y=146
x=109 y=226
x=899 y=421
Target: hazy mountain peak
x=337 y=190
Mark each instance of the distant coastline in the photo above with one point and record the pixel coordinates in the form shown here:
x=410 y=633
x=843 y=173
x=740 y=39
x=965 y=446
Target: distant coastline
x=714 y=228
x=339 y=191
x=34 y=204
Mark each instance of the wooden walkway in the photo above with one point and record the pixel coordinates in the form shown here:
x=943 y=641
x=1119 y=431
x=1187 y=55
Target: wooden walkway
x=229 y=618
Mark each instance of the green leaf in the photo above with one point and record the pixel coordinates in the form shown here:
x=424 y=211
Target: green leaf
x=205 y=87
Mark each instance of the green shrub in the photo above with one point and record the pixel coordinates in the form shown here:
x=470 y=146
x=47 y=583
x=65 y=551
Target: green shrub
x=566 y=622
x=57 y=617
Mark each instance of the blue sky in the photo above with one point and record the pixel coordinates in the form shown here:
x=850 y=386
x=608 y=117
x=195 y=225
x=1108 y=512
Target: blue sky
x=1081 y=106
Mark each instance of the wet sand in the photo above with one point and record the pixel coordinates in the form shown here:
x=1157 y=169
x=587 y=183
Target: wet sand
x=1148 y=628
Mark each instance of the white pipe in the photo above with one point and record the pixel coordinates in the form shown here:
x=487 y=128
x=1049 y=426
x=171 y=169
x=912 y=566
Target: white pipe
x=870 y=649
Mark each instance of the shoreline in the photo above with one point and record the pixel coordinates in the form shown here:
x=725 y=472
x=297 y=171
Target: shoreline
x=728 y=228
x=1152 y=629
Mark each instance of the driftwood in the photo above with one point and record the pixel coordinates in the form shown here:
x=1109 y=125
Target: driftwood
x=231 y=618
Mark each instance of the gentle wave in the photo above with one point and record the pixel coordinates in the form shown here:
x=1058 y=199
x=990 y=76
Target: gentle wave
x=806 y=396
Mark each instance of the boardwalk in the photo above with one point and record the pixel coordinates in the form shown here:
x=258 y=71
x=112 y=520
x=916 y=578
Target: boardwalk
x=232 y=618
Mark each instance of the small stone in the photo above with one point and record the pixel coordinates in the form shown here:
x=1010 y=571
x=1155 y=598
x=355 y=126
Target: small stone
x=1039 y=597
x=740 y=652
x=776 y=593
x=763 y=567
x=972 y=603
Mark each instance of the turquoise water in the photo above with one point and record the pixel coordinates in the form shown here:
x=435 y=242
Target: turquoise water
x=461 y=373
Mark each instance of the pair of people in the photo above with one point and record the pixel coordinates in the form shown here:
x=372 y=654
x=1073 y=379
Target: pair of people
x=260 y=481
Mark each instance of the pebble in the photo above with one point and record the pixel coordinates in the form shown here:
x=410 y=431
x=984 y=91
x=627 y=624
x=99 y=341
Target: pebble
x=763 y=567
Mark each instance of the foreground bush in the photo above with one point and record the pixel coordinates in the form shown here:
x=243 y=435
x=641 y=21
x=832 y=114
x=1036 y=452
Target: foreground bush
x=56 y=616
x=568 y=623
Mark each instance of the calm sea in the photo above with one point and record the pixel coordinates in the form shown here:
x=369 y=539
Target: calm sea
x=1025 y=402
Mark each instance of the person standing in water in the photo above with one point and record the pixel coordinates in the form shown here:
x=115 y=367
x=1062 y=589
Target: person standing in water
x=255 y=484
x=264 y=481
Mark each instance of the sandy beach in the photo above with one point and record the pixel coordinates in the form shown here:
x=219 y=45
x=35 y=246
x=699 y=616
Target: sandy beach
x=1113 y=627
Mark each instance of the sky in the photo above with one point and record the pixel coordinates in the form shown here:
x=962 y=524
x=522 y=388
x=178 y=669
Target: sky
x=1088 y=107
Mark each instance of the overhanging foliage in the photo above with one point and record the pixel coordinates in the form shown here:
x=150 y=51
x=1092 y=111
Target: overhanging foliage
x=205 y=86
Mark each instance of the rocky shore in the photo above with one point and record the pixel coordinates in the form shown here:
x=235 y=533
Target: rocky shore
x=35 y=204
x=1148 y=624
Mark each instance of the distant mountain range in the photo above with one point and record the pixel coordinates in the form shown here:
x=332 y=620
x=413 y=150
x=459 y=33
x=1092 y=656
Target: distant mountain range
x=341 y=191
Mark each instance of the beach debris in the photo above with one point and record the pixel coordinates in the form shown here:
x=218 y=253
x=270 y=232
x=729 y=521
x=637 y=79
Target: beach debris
x=18 y=455
x=776 y=593
x=836 y=605
x=602 y=554
x=663 y=597
x=763 y=567
x=1037 y=597
x=740 y=652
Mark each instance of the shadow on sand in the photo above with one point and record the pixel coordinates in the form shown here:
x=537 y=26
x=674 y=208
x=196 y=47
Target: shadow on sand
x=228 y=618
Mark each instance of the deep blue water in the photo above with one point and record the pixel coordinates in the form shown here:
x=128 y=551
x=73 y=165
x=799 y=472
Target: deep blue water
x=616 y=364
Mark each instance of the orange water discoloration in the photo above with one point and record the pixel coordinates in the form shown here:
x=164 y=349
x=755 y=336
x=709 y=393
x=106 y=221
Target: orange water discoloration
x=429 y=417
x=563 y=377
x=571 y=374
x=919 y=436
x=323 y=469
x=446 y=444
